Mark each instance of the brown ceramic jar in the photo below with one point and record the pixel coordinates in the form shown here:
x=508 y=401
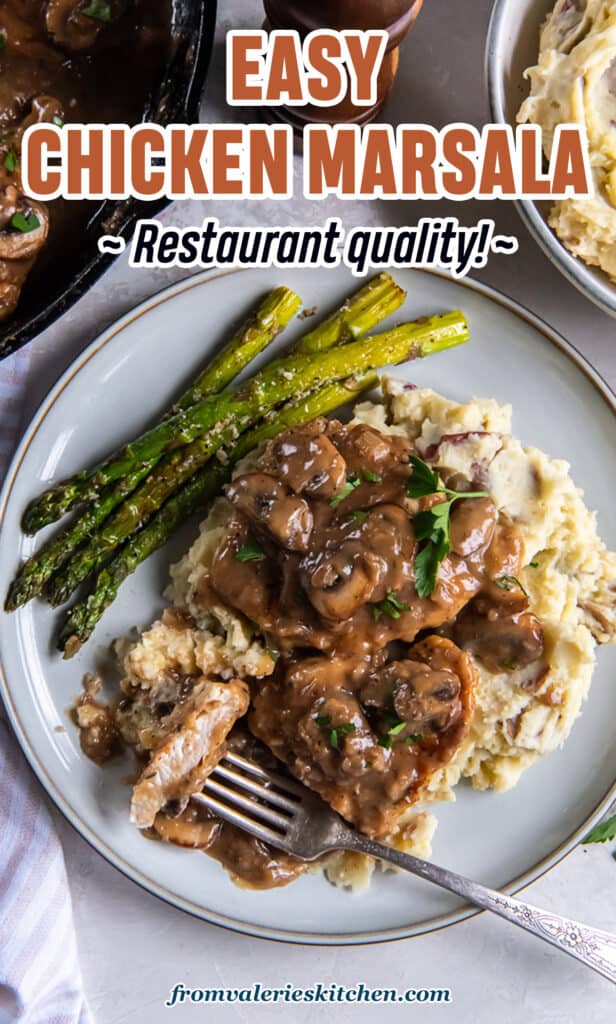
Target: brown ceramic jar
x=396 y=16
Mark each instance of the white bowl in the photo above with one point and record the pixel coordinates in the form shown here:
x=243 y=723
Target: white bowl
x=512 y=46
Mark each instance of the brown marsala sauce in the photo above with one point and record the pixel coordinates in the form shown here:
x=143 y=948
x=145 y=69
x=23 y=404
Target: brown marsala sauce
x=59 y=65
x=367 y=700
x=251 y=863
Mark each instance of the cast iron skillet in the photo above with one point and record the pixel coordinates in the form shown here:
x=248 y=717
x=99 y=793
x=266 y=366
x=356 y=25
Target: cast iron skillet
x=176 y=100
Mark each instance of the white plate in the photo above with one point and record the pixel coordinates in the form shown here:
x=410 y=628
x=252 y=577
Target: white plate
x=512 y=46
x=137 y=367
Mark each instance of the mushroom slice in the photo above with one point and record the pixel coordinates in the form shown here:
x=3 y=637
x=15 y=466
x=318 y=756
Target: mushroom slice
x=361 y=563
x=70 y=26
x=180 y=766
x=473 y=522
x=194 y=828
x=503 y=636
x=307 y=461
x=247 y=585
x=284 y=516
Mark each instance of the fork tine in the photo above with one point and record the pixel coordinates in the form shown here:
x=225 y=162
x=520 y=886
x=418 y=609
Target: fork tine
x=241 y=820
x=252 y=806
x=287 y=785
x=265 y=793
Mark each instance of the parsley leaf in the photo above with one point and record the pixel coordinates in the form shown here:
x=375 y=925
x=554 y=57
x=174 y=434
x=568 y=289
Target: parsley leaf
x=323 y=719
x=396 y=729
x=432 y=525
x=372 y=478
x=416 y=737
x=603 y=832
x=358 y=516
x=385 y=741
x=25 y=224
x=508 y=583
x=424 y=480
x=533 y=565
x=98 y=9
x=349 y=487
x=10 y=160
x=250 y=552
x=428 y=560
x=338 y=731
x=390 y=606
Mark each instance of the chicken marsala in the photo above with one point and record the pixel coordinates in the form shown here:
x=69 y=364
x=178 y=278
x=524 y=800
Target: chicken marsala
x=385 y=597
x=321 y=550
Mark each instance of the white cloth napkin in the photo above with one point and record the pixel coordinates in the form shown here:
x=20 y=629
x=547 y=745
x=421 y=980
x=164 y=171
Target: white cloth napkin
x=40 y=978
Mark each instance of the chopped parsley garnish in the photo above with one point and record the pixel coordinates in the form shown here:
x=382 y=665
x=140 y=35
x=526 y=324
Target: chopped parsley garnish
x=604 y=832
x=511 y=665
x=372 y=478
x=397 y=726
x=99 y=9
x=390 y=606
x=273 y=653
x=250 y=552
x=416 y=737
x=25 y=224
x=508 y=583
x=10 y=161
x=533 y=565
x=358 y=516
x=432 y=525
x=338 y=731
x=59 y=123
x=352 y=483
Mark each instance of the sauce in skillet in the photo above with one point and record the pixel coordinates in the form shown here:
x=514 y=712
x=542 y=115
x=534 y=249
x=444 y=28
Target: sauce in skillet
x=60 y=65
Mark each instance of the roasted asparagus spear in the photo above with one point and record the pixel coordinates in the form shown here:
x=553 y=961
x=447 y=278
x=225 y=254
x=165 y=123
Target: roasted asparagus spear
x=277 y=383
x=176 y=469
x=362 y=311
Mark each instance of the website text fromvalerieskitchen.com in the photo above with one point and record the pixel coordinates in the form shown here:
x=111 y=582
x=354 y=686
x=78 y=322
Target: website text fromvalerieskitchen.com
x=182 y=995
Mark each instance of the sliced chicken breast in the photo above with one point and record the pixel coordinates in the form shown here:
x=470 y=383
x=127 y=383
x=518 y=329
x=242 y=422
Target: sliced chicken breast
x=181 y=764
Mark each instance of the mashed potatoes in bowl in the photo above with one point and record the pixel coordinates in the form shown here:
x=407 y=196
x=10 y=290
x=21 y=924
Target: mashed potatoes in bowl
x=184 y=680
x=574 y=82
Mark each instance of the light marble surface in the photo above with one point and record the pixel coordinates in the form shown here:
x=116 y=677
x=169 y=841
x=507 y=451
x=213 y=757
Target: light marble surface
x=133 y=947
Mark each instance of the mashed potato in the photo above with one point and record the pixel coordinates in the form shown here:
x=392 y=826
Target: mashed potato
x=574 y=82
x=520 y=715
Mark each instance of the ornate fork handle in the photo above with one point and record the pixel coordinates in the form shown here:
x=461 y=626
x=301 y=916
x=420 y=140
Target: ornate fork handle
x=595 y=948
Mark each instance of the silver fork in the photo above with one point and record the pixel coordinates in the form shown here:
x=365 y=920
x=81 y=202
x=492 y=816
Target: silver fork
x=287 y=815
